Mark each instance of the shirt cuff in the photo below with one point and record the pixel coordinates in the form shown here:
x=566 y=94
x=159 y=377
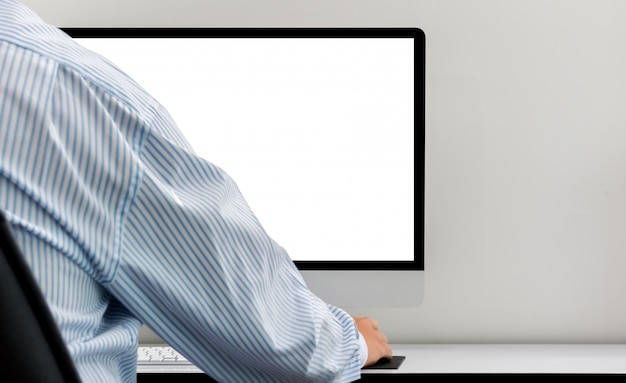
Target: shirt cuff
x=363 y=351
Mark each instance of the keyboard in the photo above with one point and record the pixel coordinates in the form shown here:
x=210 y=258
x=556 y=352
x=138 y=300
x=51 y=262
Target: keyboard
x=160 y=355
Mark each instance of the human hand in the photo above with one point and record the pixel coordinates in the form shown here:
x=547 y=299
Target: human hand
x=376 y=341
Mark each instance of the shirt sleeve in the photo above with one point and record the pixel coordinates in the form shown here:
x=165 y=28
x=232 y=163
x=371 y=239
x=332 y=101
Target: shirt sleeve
x=363 y=350
x=198 y=268
x=117 y=191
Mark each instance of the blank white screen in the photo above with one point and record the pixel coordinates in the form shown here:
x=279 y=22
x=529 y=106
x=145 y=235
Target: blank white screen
x=317 y=132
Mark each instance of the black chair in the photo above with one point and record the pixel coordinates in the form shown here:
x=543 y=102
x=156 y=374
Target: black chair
x=33 y=350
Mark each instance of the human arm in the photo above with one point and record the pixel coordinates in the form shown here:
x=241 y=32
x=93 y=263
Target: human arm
x=199 y=269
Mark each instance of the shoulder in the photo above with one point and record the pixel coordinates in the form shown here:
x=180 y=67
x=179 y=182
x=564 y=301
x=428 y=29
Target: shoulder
x=21 y=28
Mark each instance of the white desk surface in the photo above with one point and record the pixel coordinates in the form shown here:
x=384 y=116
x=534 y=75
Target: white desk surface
x=493 y=359
x=510 y=359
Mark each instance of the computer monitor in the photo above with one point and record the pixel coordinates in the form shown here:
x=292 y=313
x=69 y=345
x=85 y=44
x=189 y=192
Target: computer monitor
x=322 y=129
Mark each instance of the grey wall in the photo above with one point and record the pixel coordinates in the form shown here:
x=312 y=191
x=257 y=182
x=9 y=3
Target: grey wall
x=526 y=147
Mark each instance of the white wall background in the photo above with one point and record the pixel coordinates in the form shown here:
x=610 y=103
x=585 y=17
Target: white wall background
x=526 y=154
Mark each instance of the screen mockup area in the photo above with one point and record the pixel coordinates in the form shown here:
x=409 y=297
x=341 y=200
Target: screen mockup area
x=318 y=127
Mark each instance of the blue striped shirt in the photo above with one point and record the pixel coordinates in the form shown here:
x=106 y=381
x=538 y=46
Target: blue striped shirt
x=123 y=224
